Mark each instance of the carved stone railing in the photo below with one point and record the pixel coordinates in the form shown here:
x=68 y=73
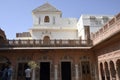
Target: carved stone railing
x=109 y=29
x=50 y=43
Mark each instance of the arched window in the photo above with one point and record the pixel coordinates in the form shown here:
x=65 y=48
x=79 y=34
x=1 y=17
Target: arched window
x=112 y=69
x=46 y=19
x=106 y=71
x=118 y=67
x=46 y=40
x=102 y=72
x=85 y=67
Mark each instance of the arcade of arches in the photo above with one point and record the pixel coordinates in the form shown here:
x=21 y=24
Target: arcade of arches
x=109 y=66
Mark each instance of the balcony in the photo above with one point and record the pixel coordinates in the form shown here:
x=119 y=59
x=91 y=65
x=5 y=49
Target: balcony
x=50 y=43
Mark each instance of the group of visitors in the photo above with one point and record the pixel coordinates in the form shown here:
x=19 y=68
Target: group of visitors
x=6 y=72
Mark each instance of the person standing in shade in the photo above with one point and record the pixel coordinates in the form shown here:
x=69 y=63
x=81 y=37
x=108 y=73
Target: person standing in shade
x=5 y=72
x=9 y=71
x=28 y=73
x=0 y=74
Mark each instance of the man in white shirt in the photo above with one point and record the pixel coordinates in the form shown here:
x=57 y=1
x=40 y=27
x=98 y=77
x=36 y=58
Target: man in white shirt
x=28 y=73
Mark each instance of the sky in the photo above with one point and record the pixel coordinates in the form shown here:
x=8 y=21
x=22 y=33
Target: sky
x=16 y=15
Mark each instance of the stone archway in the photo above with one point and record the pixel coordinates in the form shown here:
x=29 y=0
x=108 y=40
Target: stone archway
x=102 y=72
x=118 y=67
x=107 y=73
x=112 y=70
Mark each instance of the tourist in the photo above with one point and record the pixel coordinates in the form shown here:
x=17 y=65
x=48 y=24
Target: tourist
x=9 y=72
x=5 y=72
x=0 y=74
x=28 y=73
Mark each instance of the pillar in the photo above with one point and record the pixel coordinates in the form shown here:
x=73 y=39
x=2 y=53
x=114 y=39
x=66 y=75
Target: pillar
x=109 y=71
x=117 y=78
x=104 y=71
x=56 y=72
x=96 y=71
x=99 y=71
x=33 y=74
x=76 y=72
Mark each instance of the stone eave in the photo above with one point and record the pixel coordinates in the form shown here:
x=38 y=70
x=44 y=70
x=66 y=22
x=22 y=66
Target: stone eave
x=27 y=48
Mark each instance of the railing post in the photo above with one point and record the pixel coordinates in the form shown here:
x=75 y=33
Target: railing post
x=13 y=42
x=55 y=43
x=19 y=42
x=80 y=42
x=28 y=42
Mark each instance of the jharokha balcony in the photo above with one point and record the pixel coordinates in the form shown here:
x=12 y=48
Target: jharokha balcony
x=49 y=43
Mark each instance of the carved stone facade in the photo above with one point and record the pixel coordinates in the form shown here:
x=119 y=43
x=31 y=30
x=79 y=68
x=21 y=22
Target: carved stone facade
x=80 y=63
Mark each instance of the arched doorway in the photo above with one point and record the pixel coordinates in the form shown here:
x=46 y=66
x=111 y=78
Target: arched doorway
x=46 y=68
x=66 y=66
x=118 y=67
x=107 y=71
x=46 y=40
x=112 y=70
x=102 y=72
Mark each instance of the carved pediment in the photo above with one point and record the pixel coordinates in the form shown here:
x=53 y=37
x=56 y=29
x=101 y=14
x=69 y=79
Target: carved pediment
x=46 y=8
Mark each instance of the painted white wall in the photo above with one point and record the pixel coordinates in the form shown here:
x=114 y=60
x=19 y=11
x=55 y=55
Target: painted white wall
x=80 y=28
x=61 y=28
x=38 y=19
x=85 y=20
x=55 y=34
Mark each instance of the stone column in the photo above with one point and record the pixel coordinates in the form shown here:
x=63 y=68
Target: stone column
x=76 y=72
x=33 y=74
x=104 y=71
x=99 y=71
x=117 y=78
x=96 y=73
x=56 y=72
x=109 y=71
